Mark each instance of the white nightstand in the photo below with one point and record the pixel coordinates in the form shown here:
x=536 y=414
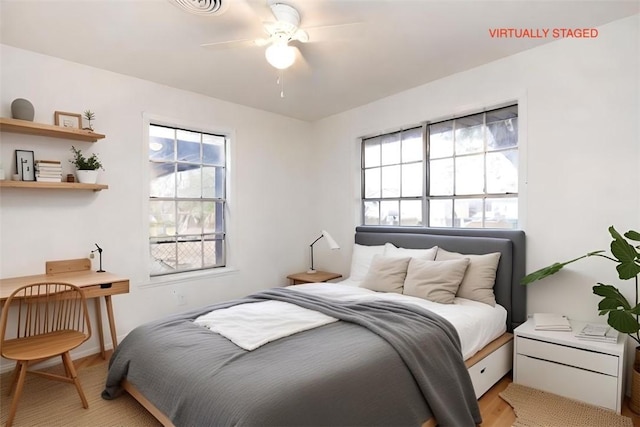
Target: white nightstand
x=560 y=363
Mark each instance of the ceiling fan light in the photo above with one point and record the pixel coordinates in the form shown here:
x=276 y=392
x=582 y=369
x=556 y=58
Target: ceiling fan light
x=280 y=56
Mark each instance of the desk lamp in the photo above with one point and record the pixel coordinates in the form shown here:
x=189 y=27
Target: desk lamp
x=332 y=244
x=99 y=250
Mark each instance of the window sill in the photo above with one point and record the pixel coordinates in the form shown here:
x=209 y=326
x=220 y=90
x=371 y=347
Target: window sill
x=189 y=276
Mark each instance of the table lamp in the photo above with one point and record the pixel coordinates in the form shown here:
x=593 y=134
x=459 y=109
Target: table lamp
x=332 y=244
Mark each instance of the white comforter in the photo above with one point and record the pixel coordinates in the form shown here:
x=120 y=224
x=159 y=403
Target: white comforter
x=252 y=325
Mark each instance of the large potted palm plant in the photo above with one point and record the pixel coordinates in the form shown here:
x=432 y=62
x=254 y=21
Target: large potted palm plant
x=621 y=314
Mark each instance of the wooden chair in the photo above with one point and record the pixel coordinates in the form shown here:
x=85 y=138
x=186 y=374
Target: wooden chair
x=52 y=319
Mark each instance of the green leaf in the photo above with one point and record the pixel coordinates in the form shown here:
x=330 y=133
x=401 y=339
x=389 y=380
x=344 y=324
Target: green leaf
x=612 y=298
x=632 y=235
x=626 y=255
x=542 y=273
x=623 y=321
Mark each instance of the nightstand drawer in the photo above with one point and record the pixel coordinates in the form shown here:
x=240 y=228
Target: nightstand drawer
x=590 y=360
x=591 y=387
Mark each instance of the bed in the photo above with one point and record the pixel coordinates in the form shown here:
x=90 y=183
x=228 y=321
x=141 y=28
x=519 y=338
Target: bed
x=382 y=358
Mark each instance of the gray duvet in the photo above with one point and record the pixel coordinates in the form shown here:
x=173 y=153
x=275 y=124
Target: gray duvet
x=384 y=364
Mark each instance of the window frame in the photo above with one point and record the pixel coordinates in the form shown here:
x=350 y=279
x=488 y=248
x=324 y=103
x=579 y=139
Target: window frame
x=426 y=197
x=190 y=274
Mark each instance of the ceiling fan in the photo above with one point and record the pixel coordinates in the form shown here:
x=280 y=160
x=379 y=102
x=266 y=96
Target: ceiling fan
x=282 y=31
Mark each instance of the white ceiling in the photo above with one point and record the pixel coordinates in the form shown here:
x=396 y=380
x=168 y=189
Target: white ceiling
x=396 y=44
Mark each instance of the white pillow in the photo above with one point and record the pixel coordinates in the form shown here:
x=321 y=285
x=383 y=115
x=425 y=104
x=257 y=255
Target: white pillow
x=391 y=250
x=480 y=277
x=386 y=274
x=361 y=260
x=436 y=281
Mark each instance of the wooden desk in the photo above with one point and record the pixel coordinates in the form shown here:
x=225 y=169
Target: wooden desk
x=93 y=284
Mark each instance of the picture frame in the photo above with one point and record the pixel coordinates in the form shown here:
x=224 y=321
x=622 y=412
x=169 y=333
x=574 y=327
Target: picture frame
x=25 y=165
x=67 y=120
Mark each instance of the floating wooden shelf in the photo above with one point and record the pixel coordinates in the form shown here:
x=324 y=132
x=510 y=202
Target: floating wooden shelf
x=53 y=185
x=41 y=129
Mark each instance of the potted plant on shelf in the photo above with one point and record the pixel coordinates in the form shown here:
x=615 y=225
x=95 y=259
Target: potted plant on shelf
x=86 y=167
x=621 y=315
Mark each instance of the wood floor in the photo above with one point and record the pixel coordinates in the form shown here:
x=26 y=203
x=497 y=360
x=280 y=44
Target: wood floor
x=495 y=411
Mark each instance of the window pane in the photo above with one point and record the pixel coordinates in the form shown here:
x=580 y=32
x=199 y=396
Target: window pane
x=412 y=179
x=503 y=134
x=441 y=177
x=372 y=152
x=389 y=212
x=470 y=174
x=213 y=251
x=391 y=149
x=468 y=212
x=391 y=181
x=213 y=182
x=213 y=217
x=411 y=212
x=163 y=255
x=161 y=143
x=188 y=146
x=441 y=140
x=189 y=180
x=501 y=213
x=440 y=213
x=502 y=172
x=189 y=252
x=190 y=217
x=162 y=180
x=412 y=145
x=469 y=134
x=371 y=213
x=372 y=183
x=162 y=218
x=213 y=150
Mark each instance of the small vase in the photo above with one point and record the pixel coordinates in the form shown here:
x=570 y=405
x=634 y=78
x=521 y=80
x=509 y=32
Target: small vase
x=22 y=109
x=87 y=176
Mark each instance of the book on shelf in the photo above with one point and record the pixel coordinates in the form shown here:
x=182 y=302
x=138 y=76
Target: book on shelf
x=48 y=179
x=49 y=163
x=47 y=173
x=598 y=332
x=551 y=322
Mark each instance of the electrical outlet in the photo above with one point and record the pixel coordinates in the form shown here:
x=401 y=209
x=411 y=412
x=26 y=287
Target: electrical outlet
x=91 y=255
x=179 y=297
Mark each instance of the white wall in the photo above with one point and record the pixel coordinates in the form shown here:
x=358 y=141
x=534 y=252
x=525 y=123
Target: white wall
x=579 y=151
x=268 y=207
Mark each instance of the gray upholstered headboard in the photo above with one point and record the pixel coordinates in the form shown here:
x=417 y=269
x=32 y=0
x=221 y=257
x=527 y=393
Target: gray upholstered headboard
x=510 y=243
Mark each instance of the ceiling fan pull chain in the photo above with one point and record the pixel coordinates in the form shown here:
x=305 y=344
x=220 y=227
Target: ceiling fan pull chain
x=281 y=82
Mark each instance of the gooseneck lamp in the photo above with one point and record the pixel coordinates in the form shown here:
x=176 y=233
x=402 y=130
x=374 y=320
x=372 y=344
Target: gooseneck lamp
x=332 y=245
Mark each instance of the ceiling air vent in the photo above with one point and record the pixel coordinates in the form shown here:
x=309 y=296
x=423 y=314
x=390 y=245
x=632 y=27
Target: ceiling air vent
x=203 y=7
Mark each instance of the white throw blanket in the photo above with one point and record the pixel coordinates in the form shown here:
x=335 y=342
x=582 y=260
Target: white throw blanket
x=252 y=325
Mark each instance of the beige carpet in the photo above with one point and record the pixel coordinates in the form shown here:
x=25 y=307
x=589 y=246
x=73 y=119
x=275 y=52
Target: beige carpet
x=53 y=403
x=535 y=408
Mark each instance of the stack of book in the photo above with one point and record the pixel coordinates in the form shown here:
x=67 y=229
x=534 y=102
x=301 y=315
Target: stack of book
x=551 y=322
x=598 y=332
x=48 y=171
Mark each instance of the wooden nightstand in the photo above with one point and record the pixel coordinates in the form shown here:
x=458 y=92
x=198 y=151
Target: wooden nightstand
x=318 y=276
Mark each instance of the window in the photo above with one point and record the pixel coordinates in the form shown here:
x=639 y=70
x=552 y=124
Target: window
x=456 y=173
x=187 y=198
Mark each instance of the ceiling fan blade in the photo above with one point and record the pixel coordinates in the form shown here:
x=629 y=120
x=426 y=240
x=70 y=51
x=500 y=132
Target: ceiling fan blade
x=301 y=36
x=301 y=64
x=231 y=44
x=351 y=30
